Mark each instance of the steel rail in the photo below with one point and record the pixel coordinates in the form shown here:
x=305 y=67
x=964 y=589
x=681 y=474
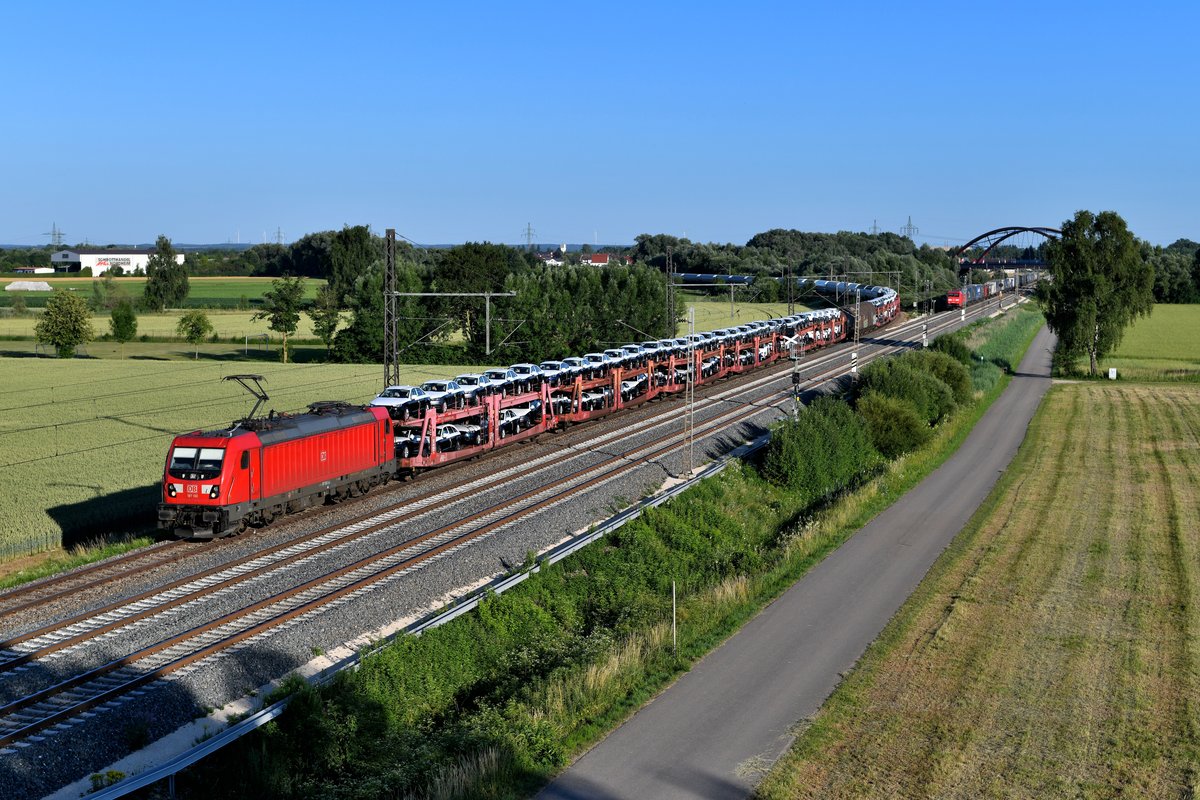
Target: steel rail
x=35 y=587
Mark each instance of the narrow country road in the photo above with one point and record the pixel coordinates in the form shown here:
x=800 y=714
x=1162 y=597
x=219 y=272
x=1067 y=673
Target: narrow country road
x=713 y=733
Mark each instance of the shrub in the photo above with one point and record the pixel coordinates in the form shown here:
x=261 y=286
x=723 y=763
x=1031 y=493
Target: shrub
x=894 y=424
x=902 y=378
x=822 y=451
x=953 y=346
x=949 y=371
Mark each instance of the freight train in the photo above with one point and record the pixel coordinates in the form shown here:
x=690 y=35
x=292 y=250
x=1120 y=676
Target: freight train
x=976 y=292
x=218 y=483
x=843 y=292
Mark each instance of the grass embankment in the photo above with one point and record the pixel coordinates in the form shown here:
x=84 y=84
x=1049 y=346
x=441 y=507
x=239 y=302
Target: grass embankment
x=494 y=703
x=1052 y=651
x=83 y=442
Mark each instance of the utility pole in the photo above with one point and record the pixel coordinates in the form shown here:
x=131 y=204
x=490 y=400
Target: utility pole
x=391 y=347
x=910 y=230
x=670 y=322
x=391 y=342
x=875 y=227
x=729 y=273
x=529 y=235
x=857 y=327
x=928 y=312
x=693 y=374
x=791 y=286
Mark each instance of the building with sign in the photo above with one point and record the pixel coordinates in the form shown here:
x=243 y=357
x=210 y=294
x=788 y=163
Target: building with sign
x=132 y=261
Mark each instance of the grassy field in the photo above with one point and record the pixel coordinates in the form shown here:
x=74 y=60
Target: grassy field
x=1053 y=650
x=82 y=442
x=223 y=292
x=226 y=324
x=712 y=313
x=1163 y=346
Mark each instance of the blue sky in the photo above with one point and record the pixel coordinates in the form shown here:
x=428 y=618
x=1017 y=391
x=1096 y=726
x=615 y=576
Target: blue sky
x=600 y=121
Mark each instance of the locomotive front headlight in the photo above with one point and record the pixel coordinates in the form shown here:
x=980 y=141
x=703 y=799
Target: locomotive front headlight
x=170 y=490
x=215 y=492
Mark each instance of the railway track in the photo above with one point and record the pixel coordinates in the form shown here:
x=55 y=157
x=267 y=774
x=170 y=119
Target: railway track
x=74 y=697
x=65 y=633
x=57 y=707
x=19 y=650
x=42 y=592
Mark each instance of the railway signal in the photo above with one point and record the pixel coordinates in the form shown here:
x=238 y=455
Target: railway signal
x=798 y=339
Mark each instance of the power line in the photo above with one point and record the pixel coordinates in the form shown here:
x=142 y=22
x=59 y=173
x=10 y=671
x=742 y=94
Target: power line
x=56 y=236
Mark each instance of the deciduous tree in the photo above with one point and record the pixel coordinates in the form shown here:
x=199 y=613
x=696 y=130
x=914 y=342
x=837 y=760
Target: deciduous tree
x=166 y=280
x=1100 y=285
x=352 y=252
x=362 y=339
x=326 y=315
x=194 y=326
x=65 y=324
x=123 y=321
x=281 y=308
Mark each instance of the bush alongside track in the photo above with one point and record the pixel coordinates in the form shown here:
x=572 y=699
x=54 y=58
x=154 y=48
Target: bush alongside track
x=493 y=703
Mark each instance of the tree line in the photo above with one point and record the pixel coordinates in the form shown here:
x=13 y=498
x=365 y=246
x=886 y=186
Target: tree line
x=574 y=308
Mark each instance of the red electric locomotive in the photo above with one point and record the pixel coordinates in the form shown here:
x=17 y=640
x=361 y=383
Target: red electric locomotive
x=218 y=482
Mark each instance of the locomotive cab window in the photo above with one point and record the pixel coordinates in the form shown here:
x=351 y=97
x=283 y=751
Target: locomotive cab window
x=196 y=463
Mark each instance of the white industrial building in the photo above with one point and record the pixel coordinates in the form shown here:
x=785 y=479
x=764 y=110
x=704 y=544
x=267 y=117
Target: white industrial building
x=100 y=260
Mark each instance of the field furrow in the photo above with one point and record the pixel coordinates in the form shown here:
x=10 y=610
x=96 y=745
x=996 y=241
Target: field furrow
x=1052 y=651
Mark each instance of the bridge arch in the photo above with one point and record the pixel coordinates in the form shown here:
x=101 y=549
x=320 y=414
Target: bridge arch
x=988 y=241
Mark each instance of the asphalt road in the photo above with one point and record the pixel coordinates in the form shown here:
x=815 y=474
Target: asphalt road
x=712 y=733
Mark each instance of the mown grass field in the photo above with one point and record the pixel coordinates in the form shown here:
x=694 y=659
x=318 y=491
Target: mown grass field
x=224 y=292
x=1053 y=651
x=82 y=442
x=226 y=324
x=1163 y=346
